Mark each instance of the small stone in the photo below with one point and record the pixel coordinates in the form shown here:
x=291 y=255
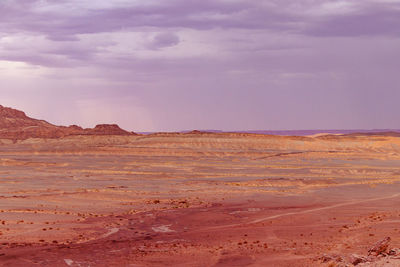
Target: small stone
x=357 y=259
x=333 y=257
x=394 y=251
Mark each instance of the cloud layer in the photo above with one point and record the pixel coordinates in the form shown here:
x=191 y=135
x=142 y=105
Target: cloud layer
x=227 y=64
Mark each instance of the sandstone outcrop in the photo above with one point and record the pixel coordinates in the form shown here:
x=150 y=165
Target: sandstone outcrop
x=107 y=129
x=16 y=125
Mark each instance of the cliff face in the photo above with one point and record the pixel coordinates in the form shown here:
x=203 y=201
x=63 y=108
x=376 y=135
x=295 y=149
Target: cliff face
x=14 y=124
x=12 y=119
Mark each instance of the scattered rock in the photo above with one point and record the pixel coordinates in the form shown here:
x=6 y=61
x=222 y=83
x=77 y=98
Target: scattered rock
x=394 y=252
x=377 y=254
x=357 y=259
x=380 y=247
x=333 y=257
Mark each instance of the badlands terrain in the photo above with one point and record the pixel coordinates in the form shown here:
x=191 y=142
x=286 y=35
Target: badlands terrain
x=108 y=197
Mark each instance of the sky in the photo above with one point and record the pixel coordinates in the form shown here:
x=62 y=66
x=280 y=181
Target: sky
x=168 y=65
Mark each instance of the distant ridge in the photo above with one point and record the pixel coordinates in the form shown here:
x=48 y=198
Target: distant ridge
x=313 y=132
x=301 y=132
x=14 y=124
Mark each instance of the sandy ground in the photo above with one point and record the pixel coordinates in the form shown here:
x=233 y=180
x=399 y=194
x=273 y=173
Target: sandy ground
x=197 y=200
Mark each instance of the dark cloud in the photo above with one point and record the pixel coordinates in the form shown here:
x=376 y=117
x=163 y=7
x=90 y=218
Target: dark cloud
x=193 y=14
x=163 y=40
x=369 y=19
x=62 y=24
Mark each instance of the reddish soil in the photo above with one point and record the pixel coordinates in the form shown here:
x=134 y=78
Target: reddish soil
x=195 y=199
x=222 y=234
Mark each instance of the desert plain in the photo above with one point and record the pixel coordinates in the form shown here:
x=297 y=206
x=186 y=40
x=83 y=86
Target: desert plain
x=198 y=199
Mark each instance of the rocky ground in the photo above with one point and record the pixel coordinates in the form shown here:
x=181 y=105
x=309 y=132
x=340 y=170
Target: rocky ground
x=199 y=199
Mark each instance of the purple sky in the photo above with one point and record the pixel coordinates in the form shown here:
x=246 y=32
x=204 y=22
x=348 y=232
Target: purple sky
x=163 y=65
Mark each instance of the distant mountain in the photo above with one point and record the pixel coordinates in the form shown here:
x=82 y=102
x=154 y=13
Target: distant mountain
x=14 y=124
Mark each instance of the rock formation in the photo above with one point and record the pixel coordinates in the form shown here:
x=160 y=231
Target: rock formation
x=107 y=129
x=14 y=124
